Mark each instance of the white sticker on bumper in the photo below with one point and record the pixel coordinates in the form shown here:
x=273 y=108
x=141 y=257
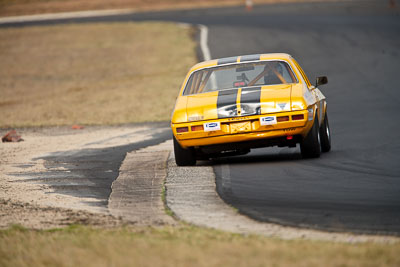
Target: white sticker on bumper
x=212 y=126
x=270 y=120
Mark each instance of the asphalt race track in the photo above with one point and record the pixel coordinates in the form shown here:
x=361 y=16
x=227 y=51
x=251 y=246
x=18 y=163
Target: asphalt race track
x=356 y=186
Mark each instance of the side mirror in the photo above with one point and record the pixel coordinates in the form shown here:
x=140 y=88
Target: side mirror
x=321 y=80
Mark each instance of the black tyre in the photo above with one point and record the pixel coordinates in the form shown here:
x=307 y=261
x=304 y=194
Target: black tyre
x=325 y=134
x=184 y=157
x=311 y=145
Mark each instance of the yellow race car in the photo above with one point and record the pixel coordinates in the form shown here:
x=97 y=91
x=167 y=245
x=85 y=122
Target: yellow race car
x=230 y=105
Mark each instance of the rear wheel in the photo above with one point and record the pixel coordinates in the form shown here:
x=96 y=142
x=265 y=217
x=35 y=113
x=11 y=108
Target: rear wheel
x=184 y=157
x=311 y=145
x=325 y=134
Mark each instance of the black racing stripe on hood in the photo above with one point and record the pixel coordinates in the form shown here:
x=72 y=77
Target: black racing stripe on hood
x=250 y=101
x=226 y=103
x=227 y=60
x=250 y=58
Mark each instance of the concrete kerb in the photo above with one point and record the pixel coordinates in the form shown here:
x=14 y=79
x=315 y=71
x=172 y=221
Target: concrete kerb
x=137 y=192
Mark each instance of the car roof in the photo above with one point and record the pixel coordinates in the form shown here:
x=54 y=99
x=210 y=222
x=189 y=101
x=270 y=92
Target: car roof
x=239 y=59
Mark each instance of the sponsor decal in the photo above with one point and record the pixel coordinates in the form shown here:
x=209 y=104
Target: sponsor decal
x=289 y=129
x=196 y=118
x=282 y=105
x=212 y=126
x=270 y=120
x=238 y=119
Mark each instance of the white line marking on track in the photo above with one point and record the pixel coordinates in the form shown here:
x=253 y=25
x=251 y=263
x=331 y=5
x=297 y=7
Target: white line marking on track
x=203 y=42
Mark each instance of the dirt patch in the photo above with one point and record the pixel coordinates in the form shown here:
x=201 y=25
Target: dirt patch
x=19 y=162
x=35 y=203
x=37 y=217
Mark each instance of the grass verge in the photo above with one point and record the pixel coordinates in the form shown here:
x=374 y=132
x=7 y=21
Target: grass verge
x=92 y=73
x=28 y=7
x=24 y=7
x=179 y=246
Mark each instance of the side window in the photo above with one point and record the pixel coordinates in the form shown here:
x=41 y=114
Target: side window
x=193 y=85
x=302 y=73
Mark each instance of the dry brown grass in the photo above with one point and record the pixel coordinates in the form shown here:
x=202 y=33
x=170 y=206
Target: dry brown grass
x=184 y=246
x=24 y=7
x=28 y=7
x=92 y=73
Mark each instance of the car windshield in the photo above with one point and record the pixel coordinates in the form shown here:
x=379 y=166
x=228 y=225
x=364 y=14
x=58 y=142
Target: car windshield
x=239 y=75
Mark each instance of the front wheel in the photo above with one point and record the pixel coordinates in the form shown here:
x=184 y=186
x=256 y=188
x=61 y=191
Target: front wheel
x=184 y=157
x=311 y=145
x=325 y=134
